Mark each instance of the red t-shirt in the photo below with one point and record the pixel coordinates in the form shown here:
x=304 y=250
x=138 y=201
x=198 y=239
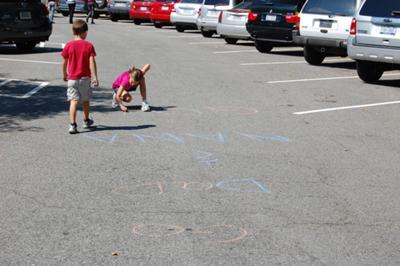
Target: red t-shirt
x=77 y=53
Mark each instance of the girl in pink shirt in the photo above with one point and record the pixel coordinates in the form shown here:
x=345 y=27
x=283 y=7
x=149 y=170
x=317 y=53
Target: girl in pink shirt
x=129 y=81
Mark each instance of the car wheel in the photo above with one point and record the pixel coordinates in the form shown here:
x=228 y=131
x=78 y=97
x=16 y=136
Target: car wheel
x=206 y=33
x=180 y=28
x=65 y=14
x=231 y=40
x=96 y=15
x=114 y=18
x=312 y=56
x=368 y=71
x=137 y=22
x=25 y=46
x=263 y=47
x=157 y=25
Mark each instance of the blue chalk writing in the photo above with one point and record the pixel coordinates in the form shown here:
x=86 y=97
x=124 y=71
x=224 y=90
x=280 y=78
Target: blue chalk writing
x=265 y=138
x=163 y=137
x=237 y=185
x=218 y=137
x=107 y=140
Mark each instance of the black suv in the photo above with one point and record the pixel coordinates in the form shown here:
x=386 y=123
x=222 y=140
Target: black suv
x=271 y=22
x=24 y=22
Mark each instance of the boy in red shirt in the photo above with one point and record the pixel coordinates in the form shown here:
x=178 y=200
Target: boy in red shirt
x=79 y=58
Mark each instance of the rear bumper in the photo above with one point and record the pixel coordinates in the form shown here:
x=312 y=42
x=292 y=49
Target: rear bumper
x=139 y=15
x=234 y=31
x=120 y=11
x=372 y=53
x=270 y=34
x=179 y=19
x=207 y=24
x=166 y=18
x=32 y=35
x=318 y=42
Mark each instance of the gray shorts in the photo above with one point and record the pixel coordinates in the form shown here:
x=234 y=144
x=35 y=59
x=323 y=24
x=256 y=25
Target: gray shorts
x=79 y=90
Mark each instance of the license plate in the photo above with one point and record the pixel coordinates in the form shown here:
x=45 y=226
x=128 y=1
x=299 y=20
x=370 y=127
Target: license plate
x=164 y=8
x=325 y=24
x=25 y=15
x=186 y=11
x=120 y=5
x=388 y=30
x=270 y=18
x=143 y=8
x=237 y=18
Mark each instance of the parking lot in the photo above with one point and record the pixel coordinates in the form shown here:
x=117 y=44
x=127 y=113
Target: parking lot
x=245 y=159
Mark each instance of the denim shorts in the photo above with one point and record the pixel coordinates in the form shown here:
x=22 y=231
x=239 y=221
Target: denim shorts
x=79 y=90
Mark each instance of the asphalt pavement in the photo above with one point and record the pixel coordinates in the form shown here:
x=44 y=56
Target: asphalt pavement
x=245 y=159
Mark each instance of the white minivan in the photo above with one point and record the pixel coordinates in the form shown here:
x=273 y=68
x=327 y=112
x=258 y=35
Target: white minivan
x=324 y=27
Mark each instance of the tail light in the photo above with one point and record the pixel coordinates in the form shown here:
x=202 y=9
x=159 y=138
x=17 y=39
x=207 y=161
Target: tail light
x=252 y=16
x=45 y=10
x=220 y=17
x=173 y=8
x=353 y=27
x=291 y=18
x=199 y=12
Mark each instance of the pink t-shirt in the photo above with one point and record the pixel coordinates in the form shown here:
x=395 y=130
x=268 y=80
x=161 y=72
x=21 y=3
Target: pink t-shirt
x=122 y=80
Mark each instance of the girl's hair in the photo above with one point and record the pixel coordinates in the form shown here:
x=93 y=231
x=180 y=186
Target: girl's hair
x=136 y=74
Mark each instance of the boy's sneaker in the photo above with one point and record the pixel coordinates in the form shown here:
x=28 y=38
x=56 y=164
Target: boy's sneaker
x=87 y=123
x=114 y=103
x=73 y=128
x=145 y=107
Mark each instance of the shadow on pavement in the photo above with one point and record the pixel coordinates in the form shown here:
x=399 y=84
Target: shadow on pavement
x=152 y=108
x=113 y=128
x=47 y=103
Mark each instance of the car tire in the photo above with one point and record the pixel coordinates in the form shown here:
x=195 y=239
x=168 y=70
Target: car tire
x=114 y=18
x=369 y=72
x=206 y=33
x=65 y=14
x=180 y=28
x=25 y=46
x=157 y=25
x=137 y=22
x=263 y=47
x=312 y=56
x=231 y=40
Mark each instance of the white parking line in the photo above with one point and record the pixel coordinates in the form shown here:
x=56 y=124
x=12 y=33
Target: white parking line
x=322 y=79
x=195 y=43
x=43 y=44
x=30 y=61
x=236 y=51
x=185 y=36
x=7 y=81
x=294 y=62
x=345 y=107
x=35 y=90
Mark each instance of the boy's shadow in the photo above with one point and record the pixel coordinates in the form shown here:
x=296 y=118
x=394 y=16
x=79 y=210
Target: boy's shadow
x=152 y=108
x=107 y=128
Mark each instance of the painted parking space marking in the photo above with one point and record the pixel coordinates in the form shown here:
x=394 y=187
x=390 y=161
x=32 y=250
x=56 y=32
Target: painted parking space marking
x=236 y=51
x=38 y=87
x=184 y=36
x=345 y=108
x=294 y=62
x=29 y=61
x=50 y=44
x=207 y=43
x=324 y=79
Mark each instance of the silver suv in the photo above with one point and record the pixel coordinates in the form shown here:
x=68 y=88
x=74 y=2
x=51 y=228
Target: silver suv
x=375 y=38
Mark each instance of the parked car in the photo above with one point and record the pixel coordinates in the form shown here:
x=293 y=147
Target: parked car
x=160 y=13
x=209 y=13
x=374 y=40
x=81 y=7
x=24 y=23
x=185 y=15
x=232 y=23
x=140 y=11
x=271 y=23
x=119 y=9
x=324 y=28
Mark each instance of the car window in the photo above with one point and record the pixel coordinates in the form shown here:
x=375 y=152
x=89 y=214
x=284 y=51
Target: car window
x=381 y=8
x=329 y=7
x=216 y=2
x=243 y=5
x=191 y=1
x=298 y=3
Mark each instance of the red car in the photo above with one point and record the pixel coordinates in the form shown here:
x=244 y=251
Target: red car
x=140 y=11
x=161 y=12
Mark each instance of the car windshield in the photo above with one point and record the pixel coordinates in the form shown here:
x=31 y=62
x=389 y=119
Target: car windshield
x=329 y=7
x=381 y=8
x=216 y=2
x=191 y=1
x=243 y=5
